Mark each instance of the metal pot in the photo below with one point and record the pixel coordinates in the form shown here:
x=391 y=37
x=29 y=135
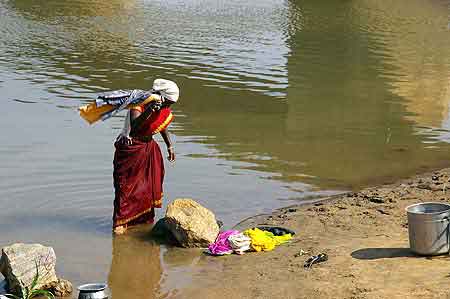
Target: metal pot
x=92 y=291
x=428 y=226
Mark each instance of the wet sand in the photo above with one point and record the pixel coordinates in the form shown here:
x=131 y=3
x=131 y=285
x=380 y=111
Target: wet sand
x=365 y=235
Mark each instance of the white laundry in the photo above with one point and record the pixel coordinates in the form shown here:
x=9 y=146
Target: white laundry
x=239 y=243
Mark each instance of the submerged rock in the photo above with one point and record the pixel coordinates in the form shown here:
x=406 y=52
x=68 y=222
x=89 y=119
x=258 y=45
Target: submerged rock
x=20 y=262
x=161 y=233
x=191 y=224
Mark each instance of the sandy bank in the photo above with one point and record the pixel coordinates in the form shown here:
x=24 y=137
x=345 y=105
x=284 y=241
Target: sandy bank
x=365 y=235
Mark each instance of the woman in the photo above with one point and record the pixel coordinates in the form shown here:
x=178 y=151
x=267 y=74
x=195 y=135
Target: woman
x=138 y=163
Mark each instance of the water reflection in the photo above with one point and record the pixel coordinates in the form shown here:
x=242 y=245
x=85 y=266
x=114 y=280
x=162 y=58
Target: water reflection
x=288 y=89
x=342 y=124
x=137 y=44
x=136 y=266
x=44 y=10
x=419 y=48
x=142 y=268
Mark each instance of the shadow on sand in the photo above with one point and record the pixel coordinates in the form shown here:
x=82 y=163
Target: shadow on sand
x=382 y=253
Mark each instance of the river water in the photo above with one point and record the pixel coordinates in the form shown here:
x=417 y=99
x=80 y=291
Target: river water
x=281 y=102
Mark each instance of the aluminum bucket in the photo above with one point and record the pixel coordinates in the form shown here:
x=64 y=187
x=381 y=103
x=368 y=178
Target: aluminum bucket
x=428 y=226
x=92 y=291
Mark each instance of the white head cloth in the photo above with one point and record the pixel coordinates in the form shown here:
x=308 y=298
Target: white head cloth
x=167 y=88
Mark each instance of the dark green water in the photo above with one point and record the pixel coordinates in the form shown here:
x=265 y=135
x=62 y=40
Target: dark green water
x=281 y=101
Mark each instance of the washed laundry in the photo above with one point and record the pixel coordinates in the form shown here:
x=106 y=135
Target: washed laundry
x=222 y=246
x=264 y=240
x=277 y=230
x=110 y=103
x=240 y=243
x=256 y=239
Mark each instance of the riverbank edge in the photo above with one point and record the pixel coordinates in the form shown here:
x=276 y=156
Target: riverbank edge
x=364 y=234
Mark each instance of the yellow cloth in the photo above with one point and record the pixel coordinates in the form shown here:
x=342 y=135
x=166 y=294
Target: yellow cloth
x=91 y=113
x=264 y=240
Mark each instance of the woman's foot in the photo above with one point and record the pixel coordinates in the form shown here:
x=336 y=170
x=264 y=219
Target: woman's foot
x=120 y=230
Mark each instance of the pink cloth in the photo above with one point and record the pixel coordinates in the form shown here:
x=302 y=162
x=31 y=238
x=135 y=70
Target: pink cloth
x=221 y=246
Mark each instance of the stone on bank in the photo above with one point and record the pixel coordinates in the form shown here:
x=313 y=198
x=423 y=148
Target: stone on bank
x=20 y=262
x=191 y=224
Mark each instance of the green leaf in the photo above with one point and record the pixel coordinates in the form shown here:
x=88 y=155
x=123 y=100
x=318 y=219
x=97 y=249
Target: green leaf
x=36 y=277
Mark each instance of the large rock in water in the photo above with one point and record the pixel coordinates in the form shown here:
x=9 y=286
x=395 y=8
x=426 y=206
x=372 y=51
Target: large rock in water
x=191 y=224
x=18 y=265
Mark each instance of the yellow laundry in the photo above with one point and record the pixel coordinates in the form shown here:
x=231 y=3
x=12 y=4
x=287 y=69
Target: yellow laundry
x=91 y=113
x=265 y=241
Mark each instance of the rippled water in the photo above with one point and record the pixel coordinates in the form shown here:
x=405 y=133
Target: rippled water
x=281 y=101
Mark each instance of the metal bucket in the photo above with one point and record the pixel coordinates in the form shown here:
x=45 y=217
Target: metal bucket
x=428 y=226
x=92 y=291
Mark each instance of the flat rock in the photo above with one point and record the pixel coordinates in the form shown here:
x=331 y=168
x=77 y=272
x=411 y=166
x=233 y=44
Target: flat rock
x=18 y=265
x=191 y=224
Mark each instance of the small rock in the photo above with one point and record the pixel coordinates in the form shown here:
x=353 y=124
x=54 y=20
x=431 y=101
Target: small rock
x=436 y=188
x=191 y=224
x=300 y=253
x=220 y=223
x=292 y=210
x=60 y=288
x=376 y=199
x=424 y=186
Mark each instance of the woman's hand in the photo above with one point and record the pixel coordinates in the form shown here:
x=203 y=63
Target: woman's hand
x=166 y=136
x=171 y=156
x=124 y=140
x=155 y=105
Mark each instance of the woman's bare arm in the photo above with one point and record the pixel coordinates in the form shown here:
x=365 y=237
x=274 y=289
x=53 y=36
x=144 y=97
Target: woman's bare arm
x=137 y=117
x=166 y=136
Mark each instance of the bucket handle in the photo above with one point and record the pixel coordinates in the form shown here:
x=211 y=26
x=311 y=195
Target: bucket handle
x=448 y=232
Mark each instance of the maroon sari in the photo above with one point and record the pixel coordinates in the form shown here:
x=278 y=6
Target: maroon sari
x=138 y=177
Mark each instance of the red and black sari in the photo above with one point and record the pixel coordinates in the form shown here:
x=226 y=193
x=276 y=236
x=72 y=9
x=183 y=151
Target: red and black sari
x=139 y=173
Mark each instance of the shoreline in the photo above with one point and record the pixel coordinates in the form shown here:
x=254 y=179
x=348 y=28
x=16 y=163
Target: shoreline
x=365 y=236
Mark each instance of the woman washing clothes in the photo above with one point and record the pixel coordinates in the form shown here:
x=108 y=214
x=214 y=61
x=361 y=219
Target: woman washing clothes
x=138 y=162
